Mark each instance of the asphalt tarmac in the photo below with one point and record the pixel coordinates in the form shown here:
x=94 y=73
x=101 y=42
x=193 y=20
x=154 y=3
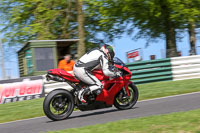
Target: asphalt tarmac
x=143 y=108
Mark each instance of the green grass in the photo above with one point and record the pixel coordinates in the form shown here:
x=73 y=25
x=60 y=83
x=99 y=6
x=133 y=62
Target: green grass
x=33 y=108
x=167 y=88
x=182 y=122
x=21 y=110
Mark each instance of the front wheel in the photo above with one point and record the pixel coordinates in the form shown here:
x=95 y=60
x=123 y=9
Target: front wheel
x=126 y=103
x=58 y=104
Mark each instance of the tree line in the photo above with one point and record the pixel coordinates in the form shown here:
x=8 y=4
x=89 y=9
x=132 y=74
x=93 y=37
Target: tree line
x=85 y=19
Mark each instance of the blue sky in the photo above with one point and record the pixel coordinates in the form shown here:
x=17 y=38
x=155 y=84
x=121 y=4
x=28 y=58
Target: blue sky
x=121 y=47
x=155 y=48
x=11 y=62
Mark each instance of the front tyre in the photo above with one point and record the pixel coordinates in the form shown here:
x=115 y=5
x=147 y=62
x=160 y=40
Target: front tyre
x=129 y=102
x=58 y=105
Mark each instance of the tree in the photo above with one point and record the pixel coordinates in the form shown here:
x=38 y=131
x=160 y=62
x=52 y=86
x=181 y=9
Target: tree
x=104 y=17
x=169 y=27
x=187 y=12
x=38 y=19
x=81 y=32
x=50 y=19
x=154 y=19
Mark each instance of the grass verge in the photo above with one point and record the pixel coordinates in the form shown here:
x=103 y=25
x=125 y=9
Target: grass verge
x=33 y=108
x=182 y=122
x=21 y=110
x=168 y=88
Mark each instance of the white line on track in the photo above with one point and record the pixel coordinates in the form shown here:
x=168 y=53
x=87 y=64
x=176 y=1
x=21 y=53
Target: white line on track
x=22 y=120
x=137 y=102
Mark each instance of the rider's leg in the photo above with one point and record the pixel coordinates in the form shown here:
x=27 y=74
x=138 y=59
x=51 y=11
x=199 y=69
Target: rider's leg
x=90 y=89
x=82 y=93
x=94 y=85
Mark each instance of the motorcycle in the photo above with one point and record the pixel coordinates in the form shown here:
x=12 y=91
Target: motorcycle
x=119 y=91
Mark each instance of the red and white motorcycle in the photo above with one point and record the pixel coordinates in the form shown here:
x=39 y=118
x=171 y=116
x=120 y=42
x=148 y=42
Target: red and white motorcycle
x=119 y=91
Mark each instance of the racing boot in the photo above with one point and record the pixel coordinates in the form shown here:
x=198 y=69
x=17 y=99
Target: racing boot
x=82 y=93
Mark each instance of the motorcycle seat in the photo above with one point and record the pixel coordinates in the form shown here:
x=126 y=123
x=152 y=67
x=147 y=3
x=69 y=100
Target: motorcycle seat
x=64 y=74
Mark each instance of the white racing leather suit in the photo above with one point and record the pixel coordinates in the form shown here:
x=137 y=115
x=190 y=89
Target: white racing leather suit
x=94 y=59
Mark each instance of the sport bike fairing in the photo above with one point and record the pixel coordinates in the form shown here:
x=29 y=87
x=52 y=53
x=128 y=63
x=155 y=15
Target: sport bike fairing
x=110 y=86
x=62 y=73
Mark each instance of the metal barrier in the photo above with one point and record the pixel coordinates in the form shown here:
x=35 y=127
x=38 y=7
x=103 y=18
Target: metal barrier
x=187 y=67
x=151 y=71
x=177 y=68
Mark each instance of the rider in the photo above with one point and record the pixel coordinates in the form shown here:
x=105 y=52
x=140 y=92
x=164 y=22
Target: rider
x=94 y=59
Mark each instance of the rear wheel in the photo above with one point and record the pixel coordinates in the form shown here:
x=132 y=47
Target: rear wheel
x=122 y=103
x=58 y=105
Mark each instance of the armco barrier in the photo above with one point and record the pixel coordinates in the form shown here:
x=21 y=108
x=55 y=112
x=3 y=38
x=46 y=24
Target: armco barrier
x=177 y=68
x=187 y=67
x=151 y=71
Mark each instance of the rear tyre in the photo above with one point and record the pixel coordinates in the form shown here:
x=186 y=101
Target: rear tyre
x=58 y=105
x=128 y=103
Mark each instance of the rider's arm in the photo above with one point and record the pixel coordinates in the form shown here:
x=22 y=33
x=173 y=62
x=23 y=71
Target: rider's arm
x=106 y=68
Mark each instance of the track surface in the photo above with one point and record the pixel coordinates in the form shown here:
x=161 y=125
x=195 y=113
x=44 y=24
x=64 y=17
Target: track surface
x=78 y=119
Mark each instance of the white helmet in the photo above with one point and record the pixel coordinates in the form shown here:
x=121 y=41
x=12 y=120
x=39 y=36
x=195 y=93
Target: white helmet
x=108 y=50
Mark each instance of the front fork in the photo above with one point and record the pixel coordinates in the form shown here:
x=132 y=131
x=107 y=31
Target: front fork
x=126 y=90
x=124 y=94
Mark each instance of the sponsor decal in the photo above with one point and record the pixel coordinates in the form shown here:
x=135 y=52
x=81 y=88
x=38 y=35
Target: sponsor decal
x=133 y=54
x=18 y=91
